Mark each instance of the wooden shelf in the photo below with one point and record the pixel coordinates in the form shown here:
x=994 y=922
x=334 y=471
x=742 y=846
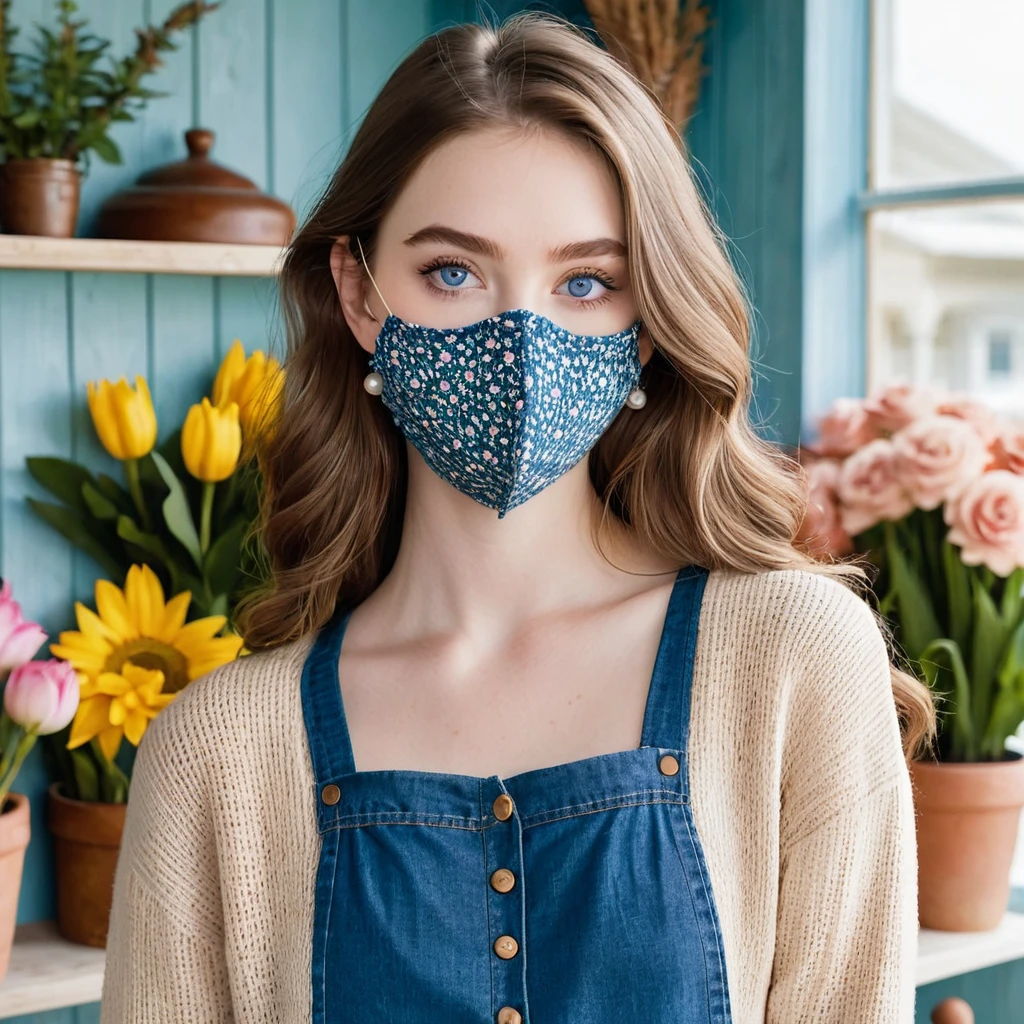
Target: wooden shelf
x=31 y=252
x=943 y=955
x=47 y=972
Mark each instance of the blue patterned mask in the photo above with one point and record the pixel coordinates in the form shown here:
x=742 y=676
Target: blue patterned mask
x=505 y=406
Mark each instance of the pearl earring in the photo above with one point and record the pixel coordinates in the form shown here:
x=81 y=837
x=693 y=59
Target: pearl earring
x=374 y=383
x=637 y=398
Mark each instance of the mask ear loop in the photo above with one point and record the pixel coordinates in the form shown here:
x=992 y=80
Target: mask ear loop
x=373 y=382
x=366 y=267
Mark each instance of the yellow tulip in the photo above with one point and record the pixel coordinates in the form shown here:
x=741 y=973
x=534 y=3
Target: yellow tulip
x=124 y=417
x=254 y=383
x=211 y=440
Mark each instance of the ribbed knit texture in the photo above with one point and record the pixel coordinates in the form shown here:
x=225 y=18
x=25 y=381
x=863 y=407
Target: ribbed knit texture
x=800 y=794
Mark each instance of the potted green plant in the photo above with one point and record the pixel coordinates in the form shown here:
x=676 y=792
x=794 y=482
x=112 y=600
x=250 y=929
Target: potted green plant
x=57 y=106
x=929 y=488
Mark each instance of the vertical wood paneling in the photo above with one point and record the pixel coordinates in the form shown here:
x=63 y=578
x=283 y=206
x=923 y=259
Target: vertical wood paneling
x=232 y=86
x=34 y=420
x=304 y=150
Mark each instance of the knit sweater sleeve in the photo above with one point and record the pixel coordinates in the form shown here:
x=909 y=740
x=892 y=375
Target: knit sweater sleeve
x=846 y=931
x=165 y=951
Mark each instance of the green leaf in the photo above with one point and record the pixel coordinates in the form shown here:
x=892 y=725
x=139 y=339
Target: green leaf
x=958 y=587
x=177 y=514
x=128 y=529
x=965 y=740
x=917 y=621
x=988 y=650
x=61 y=478
x=1012 y=604
x=87 y=780
x=223 y=559
x=99 y=504
x=106 y=149
x=77 y=530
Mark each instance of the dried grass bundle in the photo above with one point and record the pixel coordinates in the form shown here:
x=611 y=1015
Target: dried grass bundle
x=661 y=42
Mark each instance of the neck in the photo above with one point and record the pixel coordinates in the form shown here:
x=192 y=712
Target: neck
x=460 y=566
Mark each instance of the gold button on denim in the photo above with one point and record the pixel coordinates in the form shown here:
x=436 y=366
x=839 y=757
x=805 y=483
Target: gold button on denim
x=503 y=807
x=502 y=880
x=668 y=765
x=330 y=794
x=506 y=947
x=509 y=1015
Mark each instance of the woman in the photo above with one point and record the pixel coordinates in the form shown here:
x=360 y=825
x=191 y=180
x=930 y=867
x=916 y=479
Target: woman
x=547 y=720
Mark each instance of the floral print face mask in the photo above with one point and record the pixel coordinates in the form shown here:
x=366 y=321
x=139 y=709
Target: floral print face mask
x=503 y=407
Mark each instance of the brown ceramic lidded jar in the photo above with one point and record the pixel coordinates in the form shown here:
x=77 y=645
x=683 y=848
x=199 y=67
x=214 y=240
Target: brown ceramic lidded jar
x=196 y=200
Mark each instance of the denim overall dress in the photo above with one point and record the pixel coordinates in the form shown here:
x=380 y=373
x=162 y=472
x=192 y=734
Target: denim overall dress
x=575 y=894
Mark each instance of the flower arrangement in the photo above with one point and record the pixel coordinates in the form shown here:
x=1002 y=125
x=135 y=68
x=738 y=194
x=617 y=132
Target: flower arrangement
x=929 y=487
x=178 y=525
x=40 y=697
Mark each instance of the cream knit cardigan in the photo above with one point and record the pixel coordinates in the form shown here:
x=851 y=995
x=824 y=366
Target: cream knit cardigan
x=799 y=788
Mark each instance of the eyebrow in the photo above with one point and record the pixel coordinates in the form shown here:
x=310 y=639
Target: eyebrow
x=485 y=247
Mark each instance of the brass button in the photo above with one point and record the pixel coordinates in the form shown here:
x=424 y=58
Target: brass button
x=331 y=794
x=502 y=880
x=509 y=1015
x=668 y=765
x=506 y=947
x=503 y=807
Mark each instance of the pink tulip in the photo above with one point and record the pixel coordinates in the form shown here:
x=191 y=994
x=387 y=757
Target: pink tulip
x=19 y=640
x=42 y=696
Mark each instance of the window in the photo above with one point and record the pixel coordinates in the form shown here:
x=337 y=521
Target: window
x=945 y=205
x=1000 y=354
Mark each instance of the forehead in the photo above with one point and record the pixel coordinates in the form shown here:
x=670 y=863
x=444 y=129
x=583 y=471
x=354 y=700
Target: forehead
x=528 y=192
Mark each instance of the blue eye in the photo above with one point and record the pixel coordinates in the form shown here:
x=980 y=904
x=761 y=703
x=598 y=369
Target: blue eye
x=452 y=275
x=582 y=287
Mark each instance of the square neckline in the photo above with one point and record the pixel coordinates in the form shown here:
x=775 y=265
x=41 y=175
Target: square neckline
x=321 y=672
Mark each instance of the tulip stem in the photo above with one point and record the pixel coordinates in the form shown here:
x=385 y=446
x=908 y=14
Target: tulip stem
x=9 y=767
x=205 y=516
x=131 y=470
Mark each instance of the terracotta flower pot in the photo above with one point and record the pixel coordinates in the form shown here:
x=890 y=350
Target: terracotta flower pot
x=967 y=817
x=87 y=838
x=15 y=831
x=39 y=197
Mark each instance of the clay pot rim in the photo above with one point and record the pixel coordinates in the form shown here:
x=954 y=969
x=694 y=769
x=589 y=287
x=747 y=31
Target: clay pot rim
x=35 y=161
x=15 y=824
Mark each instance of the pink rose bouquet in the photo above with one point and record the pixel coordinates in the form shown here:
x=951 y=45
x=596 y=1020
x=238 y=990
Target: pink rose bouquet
x=929 y=487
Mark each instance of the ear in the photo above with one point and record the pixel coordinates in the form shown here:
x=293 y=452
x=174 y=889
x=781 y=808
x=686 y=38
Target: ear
x=645 y=344
x=350 y=281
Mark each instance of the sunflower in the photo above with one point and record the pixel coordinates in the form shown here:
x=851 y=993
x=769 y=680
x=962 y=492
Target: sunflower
x=136 y=629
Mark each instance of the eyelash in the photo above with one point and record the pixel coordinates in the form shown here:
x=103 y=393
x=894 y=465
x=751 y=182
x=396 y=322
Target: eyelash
x=455 y=261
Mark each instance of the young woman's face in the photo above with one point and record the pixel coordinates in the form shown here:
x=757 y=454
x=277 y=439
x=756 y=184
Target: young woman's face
x=493 y=221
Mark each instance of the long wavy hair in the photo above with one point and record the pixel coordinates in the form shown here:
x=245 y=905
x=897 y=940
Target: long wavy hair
x=689 y=475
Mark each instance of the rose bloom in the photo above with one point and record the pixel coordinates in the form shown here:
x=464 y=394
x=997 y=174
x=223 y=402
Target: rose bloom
x=937 y=457
x=843 y=429
x=897 y=405
x=987 y=521
x=1008 y=450
x=984 y=421
x=821 y=532
x=869 y=488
